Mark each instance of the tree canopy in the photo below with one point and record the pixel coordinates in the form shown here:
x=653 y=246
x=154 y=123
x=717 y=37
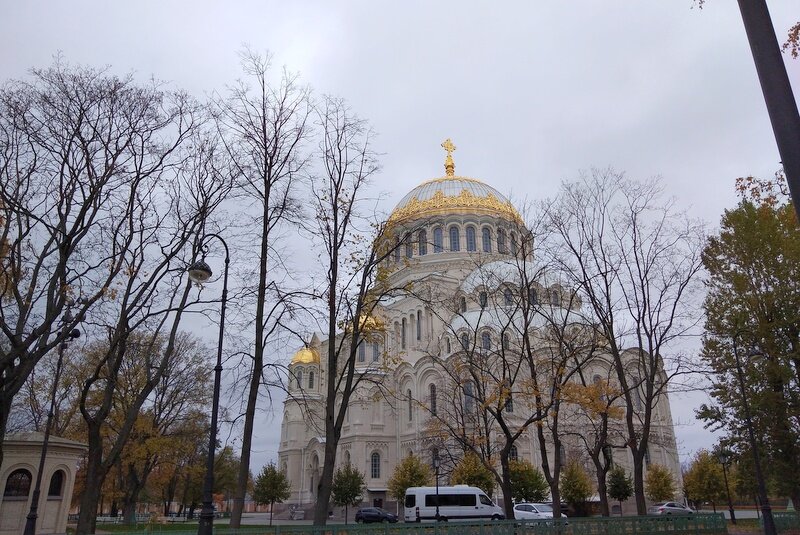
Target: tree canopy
x=410 y=472
x=659 y=483
x=471 y=471
x=620 y=485
x=527 y=483
x=271 y=487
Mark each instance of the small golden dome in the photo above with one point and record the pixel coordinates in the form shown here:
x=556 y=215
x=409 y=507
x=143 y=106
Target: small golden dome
x=306 y=355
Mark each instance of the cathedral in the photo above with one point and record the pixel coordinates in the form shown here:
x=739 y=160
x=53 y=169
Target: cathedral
x=455 y=343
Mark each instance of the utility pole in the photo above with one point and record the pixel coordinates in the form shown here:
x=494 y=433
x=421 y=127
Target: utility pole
x=781 y=106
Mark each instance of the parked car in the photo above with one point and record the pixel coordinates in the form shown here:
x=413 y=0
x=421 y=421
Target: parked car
x=533 y=511
x=374 y=514
x=669 y=508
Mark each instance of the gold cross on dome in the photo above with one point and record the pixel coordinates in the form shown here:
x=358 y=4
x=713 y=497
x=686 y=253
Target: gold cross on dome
x=449 y=164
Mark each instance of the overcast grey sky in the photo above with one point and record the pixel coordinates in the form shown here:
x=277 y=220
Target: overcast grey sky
x=530 y=92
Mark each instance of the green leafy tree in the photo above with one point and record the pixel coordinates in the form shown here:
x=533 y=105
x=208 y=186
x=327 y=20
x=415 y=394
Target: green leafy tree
x=347 y=488
x=576 y=486
x=527 y=483
x=620 y=485
x=704 y=481
x=471 y=471
x=272 y=486
x=410 y=472
x=753 y=326
x=659 y=485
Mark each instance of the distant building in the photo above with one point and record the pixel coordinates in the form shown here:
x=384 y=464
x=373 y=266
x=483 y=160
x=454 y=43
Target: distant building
x=465 y=245
x=21 y=455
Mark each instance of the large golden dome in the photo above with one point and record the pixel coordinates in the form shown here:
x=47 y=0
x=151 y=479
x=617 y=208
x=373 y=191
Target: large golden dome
x=452 y=194
x=306 y=356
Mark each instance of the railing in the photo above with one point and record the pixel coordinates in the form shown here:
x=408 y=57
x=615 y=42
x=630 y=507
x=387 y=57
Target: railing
x=697 y=524
x=788 y=522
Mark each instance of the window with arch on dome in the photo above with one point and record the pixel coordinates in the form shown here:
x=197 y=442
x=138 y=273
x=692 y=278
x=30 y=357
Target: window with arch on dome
x=464 y=341
x=455 y=239
x=486 y=238
x=410 y=406
x=483 y=299
x=362 y=352
x=462 y=304
x=469 y=397
x=506 y=342
x=508 y=297
x=513 y=453
x=447 y=348
x=419 y=325
x=472 y=244
x=554 y=300
x=438 y=240
x=513 y=239
x=403 y=333
x=310 y=380
x=432 y=389
x=409 y=249
x=486 y=341
x=501 y=241
x=299 y=375
x=397 y=252
x=376 y=352
x=533 y=296
x=422 y=243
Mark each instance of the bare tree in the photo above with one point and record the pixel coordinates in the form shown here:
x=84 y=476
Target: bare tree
x=263 y=128
x=354 y=282
x=82 y=153
x=633 y=259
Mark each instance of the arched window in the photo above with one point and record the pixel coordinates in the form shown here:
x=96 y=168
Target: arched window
x=375 y=465
x=419 y=325
x=469 y=397
x=422 y=243
x=397 y=252
x=486 y=235
x=533 y=296
x=409 y=249
x=310 y=379
x=513 y=243
x=471 y=241
x=464 y=341
x=509 y=399
x=508 y=297
x=513 y=454
x=299 y=378
x=462 y=304
x=434 y=457
x=562 y=451
x=410 y=408
x=554 y=300
x=376 y=352
x=483 y=299
x=362 y=352
x=506 y=343
x=18 y=483
x=438 y=240
x=432 y=389
x=447 y=348
x=403 y=334
x=501 y=241
x=56 y=484
x=455 y=239
x=486 y=341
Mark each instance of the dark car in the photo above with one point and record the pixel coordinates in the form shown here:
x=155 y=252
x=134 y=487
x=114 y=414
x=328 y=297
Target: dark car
x=374 y=514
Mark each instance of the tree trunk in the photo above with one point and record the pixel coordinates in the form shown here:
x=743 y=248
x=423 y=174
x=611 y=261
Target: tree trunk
x=247 y=440
x=271 y=511
x=325 y=481
x=602 y=491
x=505 y=486
x=638 y=484
x=87 y=518
x=129 y=511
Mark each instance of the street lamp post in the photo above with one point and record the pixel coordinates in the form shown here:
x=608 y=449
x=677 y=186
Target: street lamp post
x=30 y=522
x=436 y=463
x=766 y=509
x=724 y=460
x=201 y=272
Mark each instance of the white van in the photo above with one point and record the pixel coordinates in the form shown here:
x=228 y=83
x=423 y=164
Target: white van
x=460 y=502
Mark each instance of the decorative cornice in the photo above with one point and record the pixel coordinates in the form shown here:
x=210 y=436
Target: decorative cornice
x=464 y=202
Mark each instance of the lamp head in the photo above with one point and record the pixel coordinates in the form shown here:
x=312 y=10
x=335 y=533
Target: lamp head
x=75 y=333
x=199 y=271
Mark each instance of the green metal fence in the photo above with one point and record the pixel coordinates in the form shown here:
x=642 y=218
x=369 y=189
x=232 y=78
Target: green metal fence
x=699 y=524
x=788 y=522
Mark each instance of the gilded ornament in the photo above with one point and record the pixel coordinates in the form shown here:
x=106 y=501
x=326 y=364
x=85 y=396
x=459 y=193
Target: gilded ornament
x=464 y=202
x=306 y=355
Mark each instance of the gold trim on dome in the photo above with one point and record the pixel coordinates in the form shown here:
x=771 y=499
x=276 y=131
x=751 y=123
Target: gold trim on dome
x=306 y=355
x=466 y=201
